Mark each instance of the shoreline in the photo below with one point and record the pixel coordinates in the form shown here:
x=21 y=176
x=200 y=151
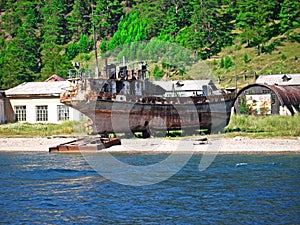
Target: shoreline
x=236 y=145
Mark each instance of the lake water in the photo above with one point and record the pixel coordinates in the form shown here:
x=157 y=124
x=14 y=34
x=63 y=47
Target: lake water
x=42 y=188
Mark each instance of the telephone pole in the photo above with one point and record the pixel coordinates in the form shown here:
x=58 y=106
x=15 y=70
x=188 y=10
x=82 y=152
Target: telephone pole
x=95 y=42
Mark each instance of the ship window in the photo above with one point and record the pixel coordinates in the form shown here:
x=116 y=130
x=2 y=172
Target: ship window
x=20 y=113
x=63 y=112
x=41 y=113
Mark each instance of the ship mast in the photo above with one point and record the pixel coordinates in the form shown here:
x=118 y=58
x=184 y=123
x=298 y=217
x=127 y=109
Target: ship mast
x=95 y=47
x=95 y=42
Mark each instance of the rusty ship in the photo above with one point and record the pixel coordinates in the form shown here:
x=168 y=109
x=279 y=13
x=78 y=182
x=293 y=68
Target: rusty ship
x=124 y=100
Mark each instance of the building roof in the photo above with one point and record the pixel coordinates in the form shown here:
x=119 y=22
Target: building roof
x=280 y=79
x=38 y=88
x=55 y=78
x=185 y=85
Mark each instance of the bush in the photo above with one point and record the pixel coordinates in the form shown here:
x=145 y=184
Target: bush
x=283 y=57
x=227 y=63
x=157 y=73
x=222 y=63
x=72 y=51
x=246 y=58
x=84 y=46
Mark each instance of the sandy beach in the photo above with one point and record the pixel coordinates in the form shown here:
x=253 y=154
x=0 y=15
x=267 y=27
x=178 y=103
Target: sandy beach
x=214 y=145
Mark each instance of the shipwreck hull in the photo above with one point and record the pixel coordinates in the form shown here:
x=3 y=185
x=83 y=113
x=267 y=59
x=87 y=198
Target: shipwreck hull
x=127 y=117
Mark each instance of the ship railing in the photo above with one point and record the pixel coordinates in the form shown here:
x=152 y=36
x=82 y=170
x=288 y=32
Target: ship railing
x=80 y=73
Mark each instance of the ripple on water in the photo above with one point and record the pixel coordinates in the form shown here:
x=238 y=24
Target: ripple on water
x=55 y=189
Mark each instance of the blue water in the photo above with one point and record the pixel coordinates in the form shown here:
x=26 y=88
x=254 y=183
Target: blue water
x=41 y=188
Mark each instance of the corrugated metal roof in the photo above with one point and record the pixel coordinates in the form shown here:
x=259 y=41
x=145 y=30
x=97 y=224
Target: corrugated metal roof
x=38 y=88
x=281 y=79
x=287 y=95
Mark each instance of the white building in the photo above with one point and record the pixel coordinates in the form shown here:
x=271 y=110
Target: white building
x=39 y=102
x=186 y=88
x=279 y=79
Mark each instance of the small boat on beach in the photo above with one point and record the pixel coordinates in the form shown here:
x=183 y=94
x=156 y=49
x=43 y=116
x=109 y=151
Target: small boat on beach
x=86 y=144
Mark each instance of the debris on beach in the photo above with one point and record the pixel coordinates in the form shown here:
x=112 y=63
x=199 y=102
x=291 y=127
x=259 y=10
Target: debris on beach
x=238 y=138
x=201 y=141
x=86 y=144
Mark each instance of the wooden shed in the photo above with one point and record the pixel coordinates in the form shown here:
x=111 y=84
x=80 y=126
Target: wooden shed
x=264 y=99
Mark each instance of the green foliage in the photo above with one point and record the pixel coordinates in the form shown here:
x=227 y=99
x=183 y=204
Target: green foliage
x=157 y=73
x=130 y=29
x=107 y=16
x=227 y=62
x=84 y=46
x=54 y=63
x=283 y=57
x=290 y=16
x=246 y=58
x=269 y=126
x=72 y=51
x=103 y=46
x=222 y=63
x=41 y=130
x=39 y=38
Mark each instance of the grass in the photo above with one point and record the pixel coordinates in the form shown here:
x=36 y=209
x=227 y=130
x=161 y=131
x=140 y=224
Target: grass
x=279 y=61
x=275 y=126
x=255 y=127
x=40 y=129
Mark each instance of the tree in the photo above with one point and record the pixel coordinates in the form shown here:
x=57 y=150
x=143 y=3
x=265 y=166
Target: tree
x=21 y=58
x=256 y=18
x=11 y=69
x=109 y=13
x=176 y=16
x=77 y=21
x=54 y=62
x=130 y=29
x=208 y=31
x=290 y=16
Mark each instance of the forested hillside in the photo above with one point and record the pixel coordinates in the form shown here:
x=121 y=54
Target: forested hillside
x=40 y=38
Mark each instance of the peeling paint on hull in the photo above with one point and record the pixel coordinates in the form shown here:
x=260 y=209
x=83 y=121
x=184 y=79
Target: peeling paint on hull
x=114 y=117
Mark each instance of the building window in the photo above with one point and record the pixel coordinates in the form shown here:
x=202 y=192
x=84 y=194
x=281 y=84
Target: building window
x=41 y=113
x=63 y=112
x=20 y=113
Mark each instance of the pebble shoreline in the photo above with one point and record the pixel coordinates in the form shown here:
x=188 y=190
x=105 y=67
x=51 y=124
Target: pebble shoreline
x=241 y=145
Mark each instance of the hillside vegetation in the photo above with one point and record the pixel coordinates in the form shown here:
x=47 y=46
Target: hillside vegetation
x=235 y=38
